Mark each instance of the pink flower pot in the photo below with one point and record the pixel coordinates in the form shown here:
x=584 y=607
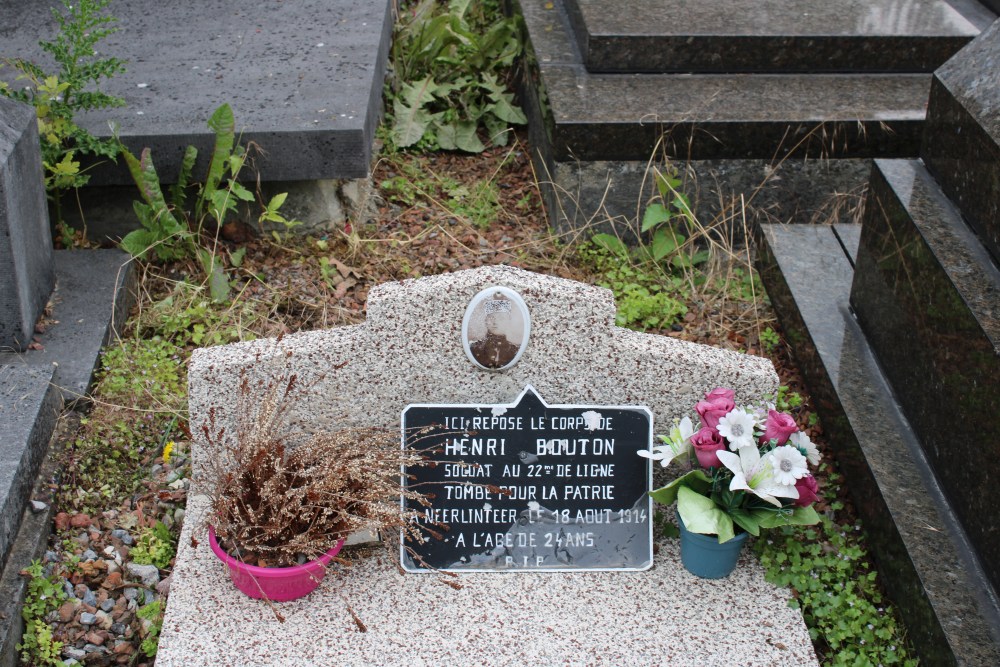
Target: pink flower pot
x=278 y=584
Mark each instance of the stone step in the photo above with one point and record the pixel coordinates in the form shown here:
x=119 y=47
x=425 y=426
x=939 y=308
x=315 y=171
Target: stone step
x=772 y=35
x=961 y=144
x=927 y=295
x=91 y=300
x=29 y=407
x=585 y=116
x=304 y=79
x=926 y=560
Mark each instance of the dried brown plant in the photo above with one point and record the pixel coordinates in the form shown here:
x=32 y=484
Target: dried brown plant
x=273 y=504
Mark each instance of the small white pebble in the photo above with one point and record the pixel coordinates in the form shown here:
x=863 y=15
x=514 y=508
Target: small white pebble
x=142 y=85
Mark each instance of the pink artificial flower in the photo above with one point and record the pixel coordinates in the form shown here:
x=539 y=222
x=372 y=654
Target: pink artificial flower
x=706 y=443
x=779 y=425
x=807 y=486
x=720 y=392
x=712 y=411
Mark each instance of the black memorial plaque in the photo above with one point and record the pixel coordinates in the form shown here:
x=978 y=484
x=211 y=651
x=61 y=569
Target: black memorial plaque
x=529 y=486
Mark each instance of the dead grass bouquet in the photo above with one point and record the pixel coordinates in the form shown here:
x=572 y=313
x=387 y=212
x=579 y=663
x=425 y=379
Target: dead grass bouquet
x=275 y=504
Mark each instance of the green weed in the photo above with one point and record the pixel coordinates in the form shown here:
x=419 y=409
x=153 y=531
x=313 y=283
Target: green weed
x=58 y=97
x=44 y=595
x=155 y=546
x=837 y=593
x=450 y=65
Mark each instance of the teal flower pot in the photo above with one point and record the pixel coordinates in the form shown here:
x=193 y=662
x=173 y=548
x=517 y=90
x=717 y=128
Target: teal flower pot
x=704 y=557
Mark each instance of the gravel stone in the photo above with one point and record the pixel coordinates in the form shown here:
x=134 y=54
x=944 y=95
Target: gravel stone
x=86 y=618
x=38 y=506
x=107 y=605
x=52 y=557
x=73 y=653
x=131 y=593
x=149 y=574
x=123 y=535
x=118 y=629
x=89 y=554
x=89 y=598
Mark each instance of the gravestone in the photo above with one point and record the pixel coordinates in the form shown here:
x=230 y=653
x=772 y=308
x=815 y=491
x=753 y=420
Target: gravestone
x=26 y=273
x=419 y=352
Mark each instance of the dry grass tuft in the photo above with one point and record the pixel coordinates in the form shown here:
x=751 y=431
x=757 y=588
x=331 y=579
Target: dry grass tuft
x=273 y=504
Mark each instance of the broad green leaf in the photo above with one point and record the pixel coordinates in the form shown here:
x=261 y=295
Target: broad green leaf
x=611 y=243
x=223 y=125
x=665 y=242
x=138 y=241
x=277 y=201
x=460 y=135
x=178 y=193
x=655 y=214
x=504 y=109
x=240 y=192
x=702 y=515
x=236 y=257
x=218 y=285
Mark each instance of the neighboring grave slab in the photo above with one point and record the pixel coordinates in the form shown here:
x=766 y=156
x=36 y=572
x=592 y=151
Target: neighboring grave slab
x=961 y=144
x=304 y=79
x=26 y=273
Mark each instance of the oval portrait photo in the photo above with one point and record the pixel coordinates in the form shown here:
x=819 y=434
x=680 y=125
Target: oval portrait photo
x=495 y=328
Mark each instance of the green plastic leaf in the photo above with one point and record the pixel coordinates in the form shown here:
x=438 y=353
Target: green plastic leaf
x=745 y=520
x=702 y=515
x=656 y=214
x=800 y=516
x=696 y=480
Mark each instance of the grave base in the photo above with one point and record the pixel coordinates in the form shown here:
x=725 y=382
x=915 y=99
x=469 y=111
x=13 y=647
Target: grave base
x=661 y=616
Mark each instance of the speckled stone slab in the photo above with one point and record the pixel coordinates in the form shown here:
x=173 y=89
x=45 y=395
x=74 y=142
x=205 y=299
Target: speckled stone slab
x=664 y=616
x=773 y=35
x=410 y=351
x=304 y=79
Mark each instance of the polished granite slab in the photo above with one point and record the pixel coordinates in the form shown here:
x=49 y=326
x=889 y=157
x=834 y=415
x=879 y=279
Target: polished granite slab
x=773 y=35
x=614 y=117
x=961 y=144
x=927 y=296
x=304 y=78
x=950 y=611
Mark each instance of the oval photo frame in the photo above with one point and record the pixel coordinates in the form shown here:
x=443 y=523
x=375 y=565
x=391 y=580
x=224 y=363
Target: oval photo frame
x=496 y=328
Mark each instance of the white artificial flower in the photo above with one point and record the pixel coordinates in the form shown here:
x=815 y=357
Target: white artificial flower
x=754 y=473
x=737 y=427
x=789 y=464
x=802 y=442
x=676 y=445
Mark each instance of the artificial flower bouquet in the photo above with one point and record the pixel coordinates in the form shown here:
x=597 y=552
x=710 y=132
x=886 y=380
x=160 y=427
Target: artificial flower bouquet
x=753 y=468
